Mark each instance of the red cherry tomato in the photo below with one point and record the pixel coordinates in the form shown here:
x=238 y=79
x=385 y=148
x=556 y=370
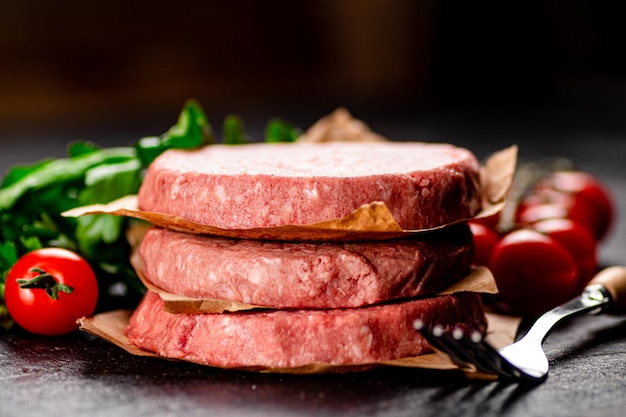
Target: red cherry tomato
x=546 y=204
x=533 y=272
x=586 y=200
x=529 y=213
x=49 y=289
x=578 y=241
x=485 y=239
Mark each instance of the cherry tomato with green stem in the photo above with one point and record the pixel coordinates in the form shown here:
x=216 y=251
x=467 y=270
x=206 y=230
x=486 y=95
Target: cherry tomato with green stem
x=49 y=289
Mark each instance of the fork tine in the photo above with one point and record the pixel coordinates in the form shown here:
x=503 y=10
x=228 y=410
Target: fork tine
x=434 y=339
x=468 y=351
x=440 y=340
x=484 y=356
x=454 y=348
x=487 y=357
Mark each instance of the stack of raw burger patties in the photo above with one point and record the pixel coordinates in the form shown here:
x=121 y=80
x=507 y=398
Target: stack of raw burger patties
x=307 y=303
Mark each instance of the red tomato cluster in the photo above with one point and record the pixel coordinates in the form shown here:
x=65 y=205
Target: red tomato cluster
x=551 y=252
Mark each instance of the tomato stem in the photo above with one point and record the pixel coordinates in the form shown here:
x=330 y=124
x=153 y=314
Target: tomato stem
x=46 y=282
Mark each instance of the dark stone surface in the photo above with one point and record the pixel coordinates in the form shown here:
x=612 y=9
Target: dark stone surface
x=81 y=375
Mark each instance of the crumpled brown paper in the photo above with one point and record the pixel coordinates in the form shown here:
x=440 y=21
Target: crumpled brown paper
x=340 y=126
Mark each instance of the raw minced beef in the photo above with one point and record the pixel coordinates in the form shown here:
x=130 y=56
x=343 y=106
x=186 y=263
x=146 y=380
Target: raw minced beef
x=294 y=338
x=305 y=274
x=424 y=185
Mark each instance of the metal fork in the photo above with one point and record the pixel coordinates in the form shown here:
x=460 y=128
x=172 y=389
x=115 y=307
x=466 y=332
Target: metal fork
x=525 y=359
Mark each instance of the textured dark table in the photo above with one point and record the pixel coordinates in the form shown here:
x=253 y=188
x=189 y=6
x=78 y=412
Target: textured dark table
x=81 y=375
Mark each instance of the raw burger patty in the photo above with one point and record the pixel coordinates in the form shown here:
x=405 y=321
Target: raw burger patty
x=264 y=185
x=293 y=338
x=305 y=275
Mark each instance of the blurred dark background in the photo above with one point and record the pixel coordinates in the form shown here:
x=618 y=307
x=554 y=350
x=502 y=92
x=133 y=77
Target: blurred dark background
x=85 y=64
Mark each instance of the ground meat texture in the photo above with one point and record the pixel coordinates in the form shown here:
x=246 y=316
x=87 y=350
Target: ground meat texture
x=424 y=185
x=305 y=274
x=294 y=338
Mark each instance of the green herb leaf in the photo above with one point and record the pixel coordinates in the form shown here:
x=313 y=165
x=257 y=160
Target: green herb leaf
x=8 y=255
x=233 y=131
x=59 y=170
x=105 y=183
x=20 y=171
x=278 y=130
x=81 y=148
x=191 y=131
x=31 y=243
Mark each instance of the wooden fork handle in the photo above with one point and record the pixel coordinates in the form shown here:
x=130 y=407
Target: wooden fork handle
x=613 y=279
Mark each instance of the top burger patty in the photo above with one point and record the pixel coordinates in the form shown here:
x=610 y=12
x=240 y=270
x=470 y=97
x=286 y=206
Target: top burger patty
x=264 y=185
